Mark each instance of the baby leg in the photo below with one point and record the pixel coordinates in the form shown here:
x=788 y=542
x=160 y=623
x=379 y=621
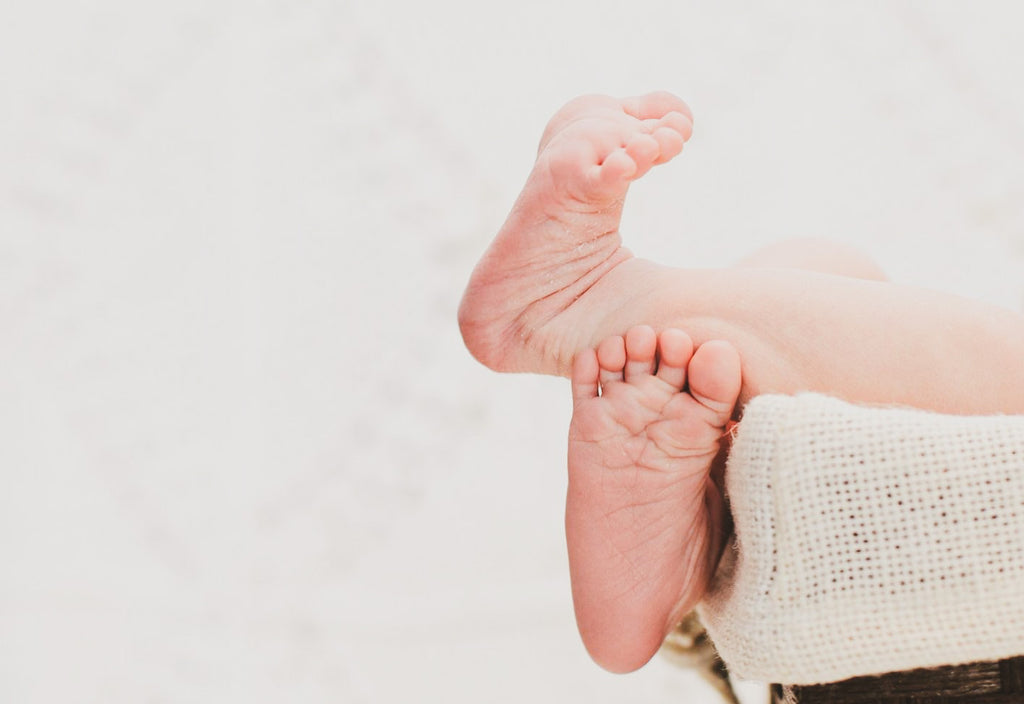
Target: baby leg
x=556 y=281
x=816 y=254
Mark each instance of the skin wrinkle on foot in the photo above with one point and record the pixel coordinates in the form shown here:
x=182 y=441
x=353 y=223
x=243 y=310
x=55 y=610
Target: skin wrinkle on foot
x=792 y=312
x=653 y=497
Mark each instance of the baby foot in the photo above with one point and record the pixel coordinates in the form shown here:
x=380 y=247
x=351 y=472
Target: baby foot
x=562 y=234
x=644 y=520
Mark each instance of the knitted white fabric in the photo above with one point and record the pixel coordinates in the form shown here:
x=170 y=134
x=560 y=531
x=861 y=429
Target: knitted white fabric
x=869 y=540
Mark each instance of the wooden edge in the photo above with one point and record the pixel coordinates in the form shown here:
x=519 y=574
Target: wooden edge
x=998 y=682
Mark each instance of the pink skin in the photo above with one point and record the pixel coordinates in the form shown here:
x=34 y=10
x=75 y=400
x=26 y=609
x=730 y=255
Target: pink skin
x=644 y=519
x=562 y=234
x=556 y=281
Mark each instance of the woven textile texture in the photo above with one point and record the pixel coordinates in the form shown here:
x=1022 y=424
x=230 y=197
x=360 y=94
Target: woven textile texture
x=869 y=540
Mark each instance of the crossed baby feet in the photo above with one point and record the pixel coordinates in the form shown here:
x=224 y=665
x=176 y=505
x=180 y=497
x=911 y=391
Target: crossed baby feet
x=644 y=517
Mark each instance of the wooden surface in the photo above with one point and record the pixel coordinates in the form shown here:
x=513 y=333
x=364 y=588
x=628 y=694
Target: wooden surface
x=999 y=682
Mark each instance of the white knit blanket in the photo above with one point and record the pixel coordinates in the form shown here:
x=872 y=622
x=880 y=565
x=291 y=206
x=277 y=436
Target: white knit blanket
x=869 y=540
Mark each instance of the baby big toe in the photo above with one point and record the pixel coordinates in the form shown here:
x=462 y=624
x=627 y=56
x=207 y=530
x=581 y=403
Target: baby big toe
x=654 y=105
x=715 y=378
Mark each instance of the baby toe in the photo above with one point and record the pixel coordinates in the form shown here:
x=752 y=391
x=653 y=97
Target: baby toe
x=675 y=348
x=641 y=346
x=644 y=150
x=611 y=357
x=715 y=377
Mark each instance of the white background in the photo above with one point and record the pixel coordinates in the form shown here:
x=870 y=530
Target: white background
x=243 y=454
